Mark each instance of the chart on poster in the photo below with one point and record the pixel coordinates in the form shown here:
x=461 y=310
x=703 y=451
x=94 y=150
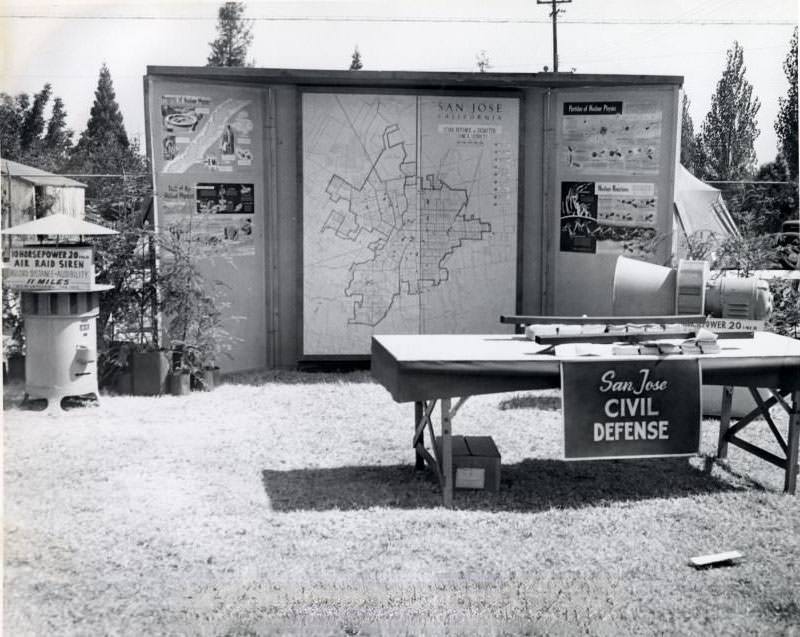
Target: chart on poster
x=409 y=216
x=207 y=165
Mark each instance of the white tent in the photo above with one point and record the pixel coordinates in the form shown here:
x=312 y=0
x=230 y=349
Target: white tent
x=700 y=210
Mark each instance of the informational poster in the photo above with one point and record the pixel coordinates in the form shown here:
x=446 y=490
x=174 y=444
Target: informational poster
x=198 y=131
x=49 y=267
x=608 y=217
x=207 y=160
x=409 y=216
x=578 y=217
x=614 y=138
x=224 y=199
x=630 y=409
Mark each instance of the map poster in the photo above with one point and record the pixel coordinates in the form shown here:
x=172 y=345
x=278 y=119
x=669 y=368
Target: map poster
x=224 y=199
x=630 y=408
x=617 y=138
x=578 y=217
x=409 y=216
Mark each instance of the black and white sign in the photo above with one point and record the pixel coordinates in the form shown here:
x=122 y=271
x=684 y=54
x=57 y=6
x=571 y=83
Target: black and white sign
x=630 y=409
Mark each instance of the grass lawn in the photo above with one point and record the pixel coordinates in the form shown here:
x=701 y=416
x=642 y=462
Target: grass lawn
x=287 y=503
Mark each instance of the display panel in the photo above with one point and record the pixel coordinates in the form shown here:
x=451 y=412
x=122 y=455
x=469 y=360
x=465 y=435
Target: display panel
x=409 y=216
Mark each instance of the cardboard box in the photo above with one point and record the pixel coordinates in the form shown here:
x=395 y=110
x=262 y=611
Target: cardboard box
x=476 y=462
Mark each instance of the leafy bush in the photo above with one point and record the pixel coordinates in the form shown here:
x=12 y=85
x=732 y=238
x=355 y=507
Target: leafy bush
x=192 y=305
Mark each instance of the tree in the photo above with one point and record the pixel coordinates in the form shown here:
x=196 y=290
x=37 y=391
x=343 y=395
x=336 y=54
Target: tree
x=10 y=126
x=688 y=139
x=786 y=123
x=26 y=136
x=104 y=147
x=234 y=37
x=730 y=130
x=482 y=62
x=57 y=138
x=33 y=119
x=355 y=63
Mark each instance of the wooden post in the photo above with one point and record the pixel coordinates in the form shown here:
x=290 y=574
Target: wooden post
x=724 y=421
x=792 y=442
x=419 y=410
x=447 y=454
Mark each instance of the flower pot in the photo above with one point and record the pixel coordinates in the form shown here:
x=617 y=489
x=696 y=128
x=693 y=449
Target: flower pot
x=205 y=380
x=123 y=384
x=179 y=383
x=149 y=372
x=15 y=367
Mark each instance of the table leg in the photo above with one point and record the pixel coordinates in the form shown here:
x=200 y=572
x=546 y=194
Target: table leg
x=419 y=463
x=447 y=454
x=792 y=442
x=724 y=421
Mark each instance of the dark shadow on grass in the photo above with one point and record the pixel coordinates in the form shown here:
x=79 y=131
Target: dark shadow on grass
x=531 y=485
x=531 y=401
x=293 y=377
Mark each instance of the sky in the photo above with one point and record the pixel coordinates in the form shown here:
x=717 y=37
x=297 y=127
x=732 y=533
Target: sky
x=65 y=43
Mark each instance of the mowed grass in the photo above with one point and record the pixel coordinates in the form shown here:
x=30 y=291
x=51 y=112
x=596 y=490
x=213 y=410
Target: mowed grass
x=287 y=503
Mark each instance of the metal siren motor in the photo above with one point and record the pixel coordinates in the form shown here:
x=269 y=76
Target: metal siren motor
x=646 y=289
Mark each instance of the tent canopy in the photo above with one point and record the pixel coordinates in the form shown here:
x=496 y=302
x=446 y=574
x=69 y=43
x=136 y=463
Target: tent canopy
x=59 y=225
x=700 y=207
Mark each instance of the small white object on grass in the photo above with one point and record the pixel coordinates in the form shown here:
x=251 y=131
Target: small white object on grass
x=715 y=559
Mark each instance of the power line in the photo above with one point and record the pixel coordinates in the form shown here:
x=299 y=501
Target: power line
x=423 y=19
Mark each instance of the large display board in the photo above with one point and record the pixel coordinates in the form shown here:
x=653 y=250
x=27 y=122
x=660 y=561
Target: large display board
x=207 y=148
x=613 y=164
x=409 y=216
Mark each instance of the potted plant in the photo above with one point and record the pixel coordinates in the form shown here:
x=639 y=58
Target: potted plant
x=13 y=337
x=130 y=357
x=192 y=306
x=180 y=377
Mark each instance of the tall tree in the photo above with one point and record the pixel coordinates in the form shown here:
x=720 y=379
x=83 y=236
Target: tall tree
x=688 y=140
x=28 y=137
x=10 y=126
x=104 y=148
x=33 y=120
x=786 y=123
x=355 y=63
x=57 y=138
x=104 y=143
x=234 y=37
x=729 y=131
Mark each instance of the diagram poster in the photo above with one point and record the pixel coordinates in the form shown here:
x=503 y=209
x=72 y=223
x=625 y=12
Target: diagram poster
x=578 y=217
x=608 y=217
x=207 y=154
x=614 y=138
x=200 y=133
x=409 y=216
x=224 y=199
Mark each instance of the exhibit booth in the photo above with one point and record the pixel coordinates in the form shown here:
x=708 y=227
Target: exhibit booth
x=338 y=205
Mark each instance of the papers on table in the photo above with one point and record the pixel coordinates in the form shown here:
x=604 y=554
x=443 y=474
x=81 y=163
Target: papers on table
x=705 y=342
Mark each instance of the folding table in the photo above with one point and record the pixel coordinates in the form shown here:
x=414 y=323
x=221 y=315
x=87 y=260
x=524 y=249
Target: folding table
x=426 y=369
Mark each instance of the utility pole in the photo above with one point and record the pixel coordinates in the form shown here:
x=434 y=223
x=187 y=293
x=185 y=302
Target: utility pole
x=554 y=14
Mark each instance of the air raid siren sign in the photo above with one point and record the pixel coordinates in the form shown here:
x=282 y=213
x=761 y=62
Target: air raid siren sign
x=624 y=409
x=50 y=267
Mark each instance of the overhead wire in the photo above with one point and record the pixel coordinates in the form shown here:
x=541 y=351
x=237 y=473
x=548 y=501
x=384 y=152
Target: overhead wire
x=419 y=19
